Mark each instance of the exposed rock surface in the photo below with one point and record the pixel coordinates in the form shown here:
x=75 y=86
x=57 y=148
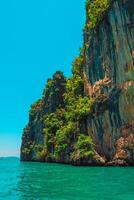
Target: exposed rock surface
x=109 y=66
x=107 y=70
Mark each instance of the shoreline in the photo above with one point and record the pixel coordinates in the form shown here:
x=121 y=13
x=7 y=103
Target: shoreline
x=107 y=164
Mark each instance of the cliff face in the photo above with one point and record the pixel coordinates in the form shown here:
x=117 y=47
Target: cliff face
x=109 y=72
x=89 y=118
x=33 y=138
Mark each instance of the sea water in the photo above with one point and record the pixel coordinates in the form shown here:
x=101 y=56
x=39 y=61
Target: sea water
x=44 y=181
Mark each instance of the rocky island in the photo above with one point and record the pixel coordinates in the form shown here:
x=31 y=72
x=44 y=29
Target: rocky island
x=88 y=119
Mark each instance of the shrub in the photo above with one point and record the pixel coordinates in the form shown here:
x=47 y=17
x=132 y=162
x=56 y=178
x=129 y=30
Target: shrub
x=84 y=148
x=95 y=11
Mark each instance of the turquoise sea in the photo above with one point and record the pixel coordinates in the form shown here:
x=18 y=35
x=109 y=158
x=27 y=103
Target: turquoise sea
x=43 y=181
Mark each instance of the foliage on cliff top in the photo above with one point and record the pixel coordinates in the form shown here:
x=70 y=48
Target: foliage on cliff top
x=61 y=112
x=53 y=93
x=63 y=126
x=95 y=11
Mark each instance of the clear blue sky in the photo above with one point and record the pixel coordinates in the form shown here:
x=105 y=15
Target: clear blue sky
x=36 y=39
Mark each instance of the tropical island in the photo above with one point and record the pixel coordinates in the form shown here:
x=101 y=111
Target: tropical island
x=88 y=119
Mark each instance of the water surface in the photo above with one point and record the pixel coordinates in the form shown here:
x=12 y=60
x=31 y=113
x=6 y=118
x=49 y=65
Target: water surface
x=43 y=181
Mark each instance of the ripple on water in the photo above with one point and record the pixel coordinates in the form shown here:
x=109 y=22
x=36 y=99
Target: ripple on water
x=43 y=181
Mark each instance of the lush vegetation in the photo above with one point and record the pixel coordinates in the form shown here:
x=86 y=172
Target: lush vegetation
x=59 y=117
x=95 y=11
x=63 y=126
x=84 y=148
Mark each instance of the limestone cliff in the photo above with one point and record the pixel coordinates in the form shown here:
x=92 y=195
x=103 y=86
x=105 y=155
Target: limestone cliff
x=89 y=118
x=109 y=72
